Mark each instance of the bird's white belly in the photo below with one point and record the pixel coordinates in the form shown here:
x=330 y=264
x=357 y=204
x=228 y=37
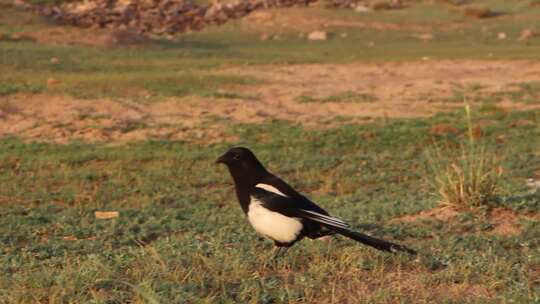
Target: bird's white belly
x=272 y=224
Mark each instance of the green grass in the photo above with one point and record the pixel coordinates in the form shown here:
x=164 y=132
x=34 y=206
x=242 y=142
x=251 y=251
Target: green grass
x=122 y=73
x=7 y=88
x=181 y=237
x=164 y=68
x=347 y=96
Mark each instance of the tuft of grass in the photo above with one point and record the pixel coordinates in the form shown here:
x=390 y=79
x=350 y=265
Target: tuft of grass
x=347 y=96
x=469 y=179
x=227 y=95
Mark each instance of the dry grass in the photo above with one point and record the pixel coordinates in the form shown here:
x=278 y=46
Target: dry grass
x=470 y=179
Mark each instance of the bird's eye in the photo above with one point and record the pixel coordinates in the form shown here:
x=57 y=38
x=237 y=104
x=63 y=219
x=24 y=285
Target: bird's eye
x=236 y=157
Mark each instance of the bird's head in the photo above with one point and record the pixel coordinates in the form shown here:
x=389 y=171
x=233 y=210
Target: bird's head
x=242 y=164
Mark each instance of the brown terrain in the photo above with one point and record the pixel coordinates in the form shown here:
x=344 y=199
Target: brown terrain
x=402 y=90
x=505 y=222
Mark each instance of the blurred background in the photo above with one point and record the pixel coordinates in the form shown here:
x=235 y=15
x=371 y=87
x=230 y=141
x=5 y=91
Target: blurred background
x=416 y=121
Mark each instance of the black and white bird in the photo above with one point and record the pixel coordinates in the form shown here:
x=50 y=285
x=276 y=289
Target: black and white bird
x=280 y=213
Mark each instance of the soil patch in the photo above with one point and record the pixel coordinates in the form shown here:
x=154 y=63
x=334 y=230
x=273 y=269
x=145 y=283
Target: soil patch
x=505 y=222
x=314 y=95
x=63 y=119
x=443 y=214
x=405 y=90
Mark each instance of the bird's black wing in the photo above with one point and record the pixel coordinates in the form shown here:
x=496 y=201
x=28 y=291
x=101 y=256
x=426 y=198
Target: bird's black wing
x=304 y=209
x=290 y=192
x=293 y=207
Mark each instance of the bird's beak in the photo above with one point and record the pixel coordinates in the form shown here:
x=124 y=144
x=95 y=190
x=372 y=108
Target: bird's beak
x=222 y=159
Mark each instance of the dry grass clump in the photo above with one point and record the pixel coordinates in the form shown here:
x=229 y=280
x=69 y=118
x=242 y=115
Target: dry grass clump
x=469 y=179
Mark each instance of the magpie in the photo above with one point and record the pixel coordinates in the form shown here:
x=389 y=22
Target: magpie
x=280 y=213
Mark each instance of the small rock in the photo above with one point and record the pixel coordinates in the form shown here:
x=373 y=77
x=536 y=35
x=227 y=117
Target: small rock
x=426 y=58
x=423 y=37
x=264 y=36
x=343 y=35
x=501 y=35
x=362 y=9
x=261 y=16
x=371 y=44
x=21 y=4
x=70 y=238
x=533 y=184
x=527 y=34
x=52 y=81
x=103 y=215
x=212 y=12
x=317 y=35
x=55 y=60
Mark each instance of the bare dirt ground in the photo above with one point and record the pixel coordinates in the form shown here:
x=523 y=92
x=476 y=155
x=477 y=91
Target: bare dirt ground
x=401 y=90
x=295 y=19
x=505 y=222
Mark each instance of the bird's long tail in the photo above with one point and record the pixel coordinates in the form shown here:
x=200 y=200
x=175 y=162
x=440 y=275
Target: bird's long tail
x=339 y=226
x=373 y=242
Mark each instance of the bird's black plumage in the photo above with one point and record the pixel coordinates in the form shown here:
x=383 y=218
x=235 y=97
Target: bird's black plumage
x=282 y=214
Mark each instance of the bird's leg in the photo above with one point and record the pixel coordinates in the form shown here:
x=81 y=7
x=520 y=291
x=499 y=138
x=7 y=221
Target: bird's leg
x=284 y=251
x=277 y=252
x=280 y=252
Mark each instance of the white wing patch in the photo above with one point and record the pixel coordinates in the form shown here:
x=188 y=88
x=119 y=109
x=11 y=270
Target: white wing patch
x=315 y=216
x=270 y=188
x=272 y=224
x=325 y=219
